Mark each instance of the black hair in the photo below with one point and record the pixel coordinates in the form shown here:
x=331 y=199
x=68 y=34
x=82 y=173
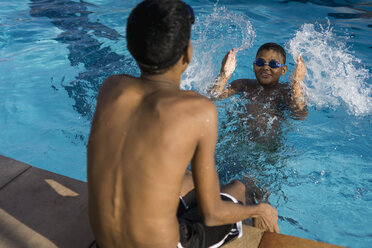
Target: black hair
x=158 y=33
x=275 y=47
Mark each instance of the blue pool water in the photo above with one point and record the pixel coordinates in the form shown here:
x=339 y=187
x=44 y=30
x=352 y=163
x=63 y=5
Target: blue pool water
x=54 y=55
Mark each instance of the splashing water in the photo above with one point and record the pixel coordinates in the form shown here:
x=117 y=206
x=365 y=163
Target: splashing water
x=213 y=35
x=334 y=75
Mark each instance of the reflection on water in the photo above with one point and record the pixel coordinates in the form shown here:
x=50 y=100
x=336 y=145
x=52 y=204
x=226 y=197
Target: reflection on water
x=362 y=8
x=253 y=144
x=337 y=3
x=80 y=34
x=365 y=14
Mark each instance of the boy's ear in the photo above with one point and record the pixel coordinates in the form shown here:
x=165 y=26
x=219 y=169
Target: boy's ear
x=284 y=70
x=188 y=53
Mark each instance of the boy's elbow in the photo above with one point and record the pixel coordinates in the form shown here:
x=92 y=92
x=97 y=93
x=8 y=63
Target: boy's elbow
x=212 y=220
x=216 y=95
x=222 y=94
x=213 y=217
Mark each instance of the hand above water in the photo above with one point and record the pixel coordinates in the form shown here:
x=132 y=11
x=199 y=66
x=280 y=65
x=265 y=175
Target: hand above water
x=298 y=103
x=300 y=70
x=228 y=64
x=219 y=90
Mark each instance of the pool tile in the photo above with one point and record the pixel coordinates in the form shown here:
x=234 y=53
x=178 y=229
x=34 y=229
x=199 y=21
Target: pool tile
x=10 y=169
x=42 y=209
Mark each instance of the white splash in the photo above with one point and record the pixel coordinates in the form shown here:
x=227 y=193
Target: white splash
x=334 y=75
x=213 y=36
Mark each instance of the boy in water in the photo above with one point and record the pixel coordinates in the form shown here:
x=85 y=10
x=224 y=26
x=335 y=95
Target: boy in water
x=144 y=134
x=268 y=100
x=268 y=67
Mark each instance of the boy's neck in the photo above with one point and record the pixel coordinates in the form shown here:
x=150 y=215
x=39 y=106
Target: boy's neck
x=168 y=78
x=269 y=86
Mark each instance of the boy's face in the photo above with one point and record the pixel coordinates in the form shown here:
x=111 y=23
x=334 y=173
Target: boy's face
x=266 y=75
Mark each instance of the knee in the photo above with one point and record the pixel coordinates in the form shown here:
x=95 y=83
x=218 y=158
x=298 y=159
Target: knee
x=236 y=189
x=239 y=190
x=239 y=186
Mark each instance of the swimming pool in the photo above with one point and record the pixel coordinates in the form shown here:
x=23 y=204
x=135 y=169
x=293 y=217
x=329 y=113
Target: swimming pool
x=55 y=53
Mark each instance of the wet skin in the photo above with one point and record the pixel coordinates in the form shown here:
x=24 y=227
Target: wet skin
x=265 y=75
x=268 y=99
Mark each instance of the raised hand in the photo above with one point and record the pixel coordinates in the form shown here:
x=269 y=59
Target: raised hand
x=298 y=102
x=228 y=64
x=300 y=70
x=218 y=90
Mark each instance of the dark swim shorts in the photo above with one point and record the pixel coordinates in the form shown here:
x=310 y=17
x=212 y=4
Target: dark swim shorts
x=194 y=234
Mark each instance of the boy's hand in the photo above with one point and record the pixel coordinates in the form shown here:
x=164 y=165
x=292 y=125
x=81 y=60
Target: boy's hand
x=268 y=220
x=300 y=71
x=228 y=64
x=298 y=103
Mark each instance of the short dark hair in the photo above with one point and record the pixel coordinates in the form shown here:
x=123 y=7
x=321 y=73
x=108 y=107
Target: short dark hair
x=275 y=47
x=158 y=32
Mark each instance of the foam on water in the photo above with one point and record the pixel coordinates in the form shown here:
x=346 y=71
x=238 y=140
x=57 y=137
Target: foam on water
x=213 y=35
x=334 y=75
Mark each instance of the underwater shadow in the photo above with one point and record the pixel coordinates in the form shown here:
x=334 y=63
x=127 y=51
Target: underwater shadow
x=79 y=33
x=366 y=14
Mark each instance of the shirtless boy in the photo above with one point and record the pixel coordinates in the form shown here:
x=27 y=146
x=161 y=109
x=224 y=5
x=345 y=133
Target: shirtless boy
x=268 y=67
x=144 y=134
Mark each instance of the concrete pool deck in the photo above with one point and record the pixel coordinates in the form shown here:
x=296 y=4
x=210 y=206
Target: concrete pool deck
x=39 y=208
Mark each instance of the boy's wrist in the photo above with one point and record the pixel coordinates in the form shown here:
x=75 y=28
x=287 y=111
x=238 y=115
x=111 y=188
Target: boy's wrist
x=263 y=209
x=258 y=210
x=222 y=76
x=295 y=82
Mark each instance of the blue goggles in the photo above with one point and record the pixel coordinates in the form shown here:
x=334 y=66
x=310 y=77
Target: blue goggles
x=273 y=63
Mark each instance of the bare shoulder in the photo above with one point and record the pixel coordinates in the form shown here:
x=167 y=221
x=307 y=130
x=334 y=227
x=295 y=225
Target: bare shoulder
x=114 y=85
x=113 y=81
x=196 y=103
x=191 y=106
x=196 y=98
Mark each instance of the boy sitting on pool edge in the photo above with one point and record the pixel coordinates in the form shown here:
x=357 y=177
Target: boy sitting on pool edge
x=144 y=134
x=269 y=66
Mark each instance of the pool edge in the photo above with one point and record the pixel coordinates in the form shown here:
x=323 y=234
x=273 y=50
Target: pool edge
x=45 y=209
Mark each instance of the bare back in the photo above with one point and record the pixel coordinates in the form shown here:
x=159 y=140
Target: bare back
x=142 y=139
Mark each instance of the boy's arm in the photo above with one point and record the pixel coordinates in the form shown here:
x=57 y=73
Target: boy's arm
x=213 y=209
x=298 y=103
x=219 y=90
